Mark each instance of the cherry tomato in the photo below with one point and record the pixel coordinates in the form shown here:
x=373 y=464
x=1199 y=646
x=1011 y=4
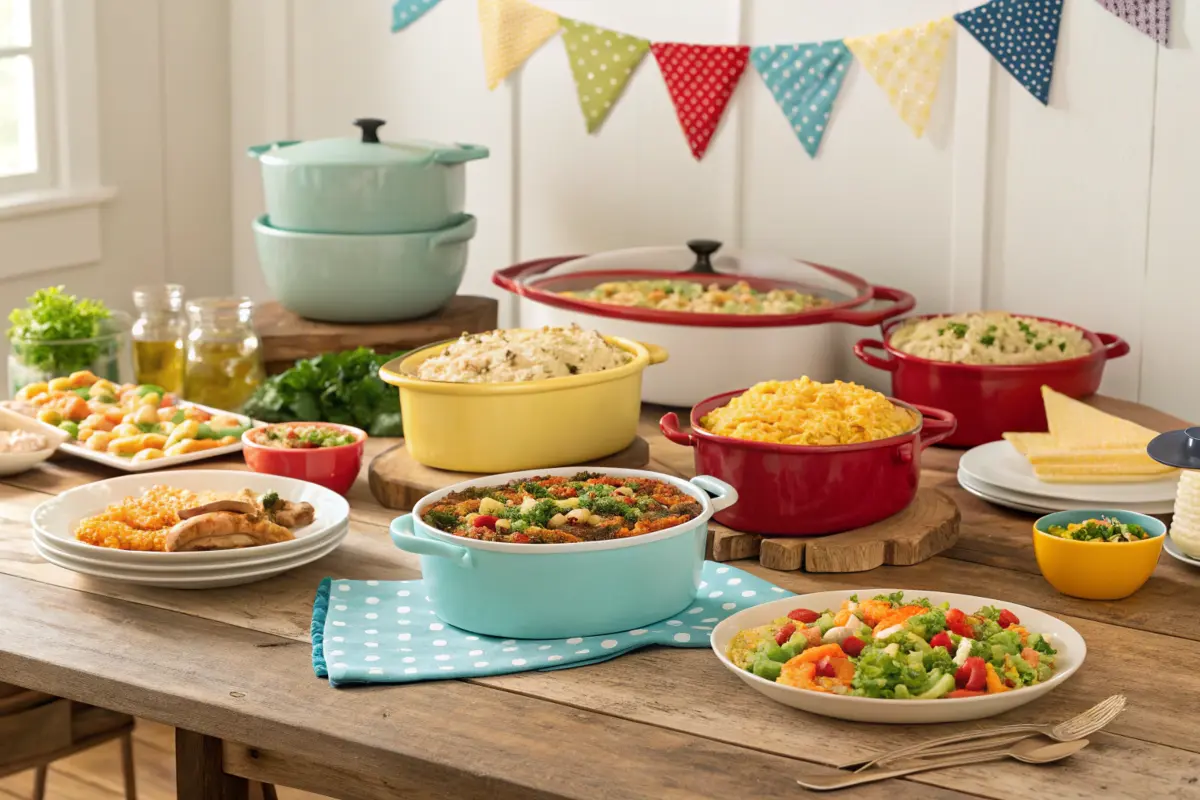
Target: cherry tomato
x=942 y=640
x=825 y=668
x=485 y=521
x=784 y=633
x=803 y=615
x=852 y=646
x=1008 y=618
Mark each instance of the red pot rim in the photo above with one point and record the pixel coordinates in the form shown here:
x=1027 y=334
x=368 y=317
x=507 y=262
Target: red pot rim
x=718 y=400
x=1098 y=348
x=515 y=279
x=359 y=434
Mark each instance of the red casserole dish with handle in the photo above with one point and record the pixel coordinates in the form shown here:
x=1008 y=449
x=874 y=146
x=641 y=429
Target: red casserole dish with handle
x=802 y=490
x=990 y=400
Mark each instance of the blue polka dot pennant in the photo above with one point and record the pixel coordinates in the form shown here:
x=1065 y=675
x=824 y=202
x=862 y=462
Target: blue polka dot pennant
x=805 y=80
x=406 y=12
x=1022 y=35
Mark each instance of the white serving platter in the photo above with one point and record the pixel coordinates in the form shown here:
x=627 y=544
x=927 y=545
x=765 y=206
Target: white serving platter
x=1045 y=505
x=1062 y=637
x=56 y=519
x=999 y=464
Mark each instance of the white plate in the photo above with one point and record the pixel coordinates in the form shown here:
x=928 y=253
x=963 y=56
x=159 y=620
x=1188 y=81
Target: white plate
x=1062 y=637
x=999 y=464
x=232 y=576
x=58 y=517
x=1045 y=505
x=310 y=544
x=13 y=463
x=1174 y=551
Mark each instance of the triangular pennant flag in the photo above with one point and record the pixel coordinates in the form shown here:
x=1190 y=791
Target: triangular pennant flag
x=907 y=64
x=1151 y=17
x=406 y=12
x=701 y=79
x=602 y=62
x=805 y=80
x=512 y=30
x=1022 y=35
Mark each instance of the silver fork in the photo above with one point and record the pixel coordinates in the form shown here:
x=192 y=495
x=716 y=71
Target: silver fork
x=1074 y=728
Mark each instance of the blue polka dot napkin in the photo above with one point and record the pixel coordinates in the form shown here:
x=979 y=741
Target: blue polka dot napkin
x=387 y=632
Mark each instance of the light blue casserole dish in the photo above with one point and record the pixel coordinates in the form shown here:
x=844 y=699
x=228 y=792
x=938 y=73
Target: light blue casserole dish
x=363 y=278
x=524 y=591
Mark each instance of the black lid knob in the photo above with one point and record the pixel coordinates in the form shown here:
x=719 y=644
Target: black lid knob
x=704 y=249
x=370 y=129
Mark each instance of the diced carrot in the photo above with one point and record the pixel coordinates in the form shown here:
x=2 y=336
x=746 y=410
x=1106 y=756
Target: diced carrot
x=843 y=669
x=815 y=654
x=1031 y=657
x=841 y=617
x=812 y=636
x=872 y=611
x=994 y=683
x=899 y=616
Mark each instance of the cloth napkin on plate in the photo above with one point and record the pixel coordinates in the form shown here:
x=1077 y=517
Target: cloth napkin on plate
x=387 y=632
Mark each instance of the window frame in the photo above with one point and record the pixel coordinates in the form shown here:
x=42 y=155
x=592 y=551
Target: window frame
x=40 y=55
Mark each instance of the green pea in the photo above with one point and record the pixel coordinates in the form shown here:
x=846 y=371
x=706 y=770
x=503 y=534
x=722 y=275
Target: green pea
x=71 y=428
x=766 y=668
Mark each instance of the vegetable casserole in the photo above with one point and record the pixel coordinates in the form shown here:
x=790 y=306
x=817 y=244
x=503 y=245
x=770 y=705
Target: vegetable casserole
x=681 y=295
x=994 y=337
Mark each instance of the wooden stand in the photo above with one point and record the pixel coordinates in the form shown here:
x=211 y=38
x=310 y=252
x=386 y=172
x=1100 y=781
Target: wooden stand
x=287 y=337
x=927 y=527
x=397 y=481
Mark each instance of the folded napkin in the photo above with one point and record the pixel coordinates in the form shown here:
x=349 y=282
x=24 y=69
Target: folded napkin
x=387 y=632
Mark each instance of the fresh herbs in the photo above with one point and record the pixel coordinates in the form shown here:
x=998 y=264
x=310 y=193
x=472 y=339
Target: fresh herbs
x=1104 y=529
x=338 y=387
x=53 y=316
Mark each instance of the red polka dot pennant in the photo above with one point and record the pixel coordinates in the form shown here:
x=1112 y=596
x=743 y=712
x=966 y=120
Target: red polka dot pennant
x=700 y=80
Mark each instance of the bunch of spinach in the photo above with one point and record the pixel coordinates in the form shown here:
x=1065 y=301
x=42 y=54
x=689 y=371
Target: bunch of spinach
x=52 y=315
x=336 y=387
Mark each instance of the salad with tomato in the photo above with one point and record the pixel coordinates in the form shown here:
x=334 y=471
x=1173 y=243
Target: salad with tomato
x=891 y=648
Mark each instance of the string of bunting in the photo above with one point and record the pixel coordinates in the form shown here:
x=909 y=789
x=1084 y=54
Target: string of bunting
x=805 y=78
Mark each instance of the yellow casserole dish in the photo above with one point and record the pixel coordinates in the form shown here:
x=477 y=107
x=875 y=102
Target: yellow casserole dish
x=504 y=427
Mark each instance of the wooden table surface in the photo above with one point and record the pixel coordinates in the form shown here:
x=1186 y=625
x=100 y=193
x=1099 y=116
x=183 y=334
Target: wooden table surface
x=231 y=668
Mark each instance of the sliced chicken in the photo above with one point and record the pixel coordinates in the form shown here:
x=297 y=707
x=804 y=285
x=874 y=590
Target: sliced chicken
x=232 y=506
x=288 y=513
x=224 y=530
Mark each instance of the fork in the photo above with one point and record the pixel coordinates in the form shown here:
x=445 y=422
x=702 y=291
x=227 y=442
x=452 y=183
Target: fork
x=1074 y=728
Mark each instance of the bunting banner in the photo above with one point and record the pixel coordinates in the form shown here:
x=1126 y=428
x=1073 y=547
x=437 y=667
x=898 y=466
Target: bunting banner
x=406 y=12
x=907 y=65
x=512 y=30
x=602 y=62
x=700 y=79
x=805 y=80
x=1151 y=17
x=1022 y=35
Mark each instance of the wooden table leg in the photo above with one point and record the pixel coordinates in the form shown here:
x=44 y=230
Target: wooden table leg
x=199 y=772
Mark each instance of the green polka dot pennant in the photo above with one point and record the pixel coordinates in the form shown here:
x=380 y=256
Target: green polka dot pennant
x=805 y=80
x=602 y=62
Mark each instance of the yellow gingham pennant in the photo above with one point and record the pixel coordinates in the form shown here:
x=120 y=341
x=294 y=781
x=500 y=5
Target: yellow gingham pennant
x=512 y=30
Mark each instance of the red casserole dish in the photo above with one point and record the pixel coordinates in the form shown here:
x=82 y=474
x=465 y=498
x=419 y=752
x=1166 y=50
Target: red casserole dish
x=990 y=400
x=801 y=490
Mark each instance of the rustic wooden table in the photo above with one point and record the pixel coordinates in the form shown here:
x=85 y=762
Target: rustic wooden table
x=230 y=669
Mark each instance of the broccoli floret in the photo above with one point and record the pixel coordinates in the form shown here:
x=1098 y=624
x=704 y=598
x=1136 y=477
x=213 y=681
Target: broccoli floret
x=541 y=513
x=1039 y=643
x=989 y=612
x=929 y=624
x=986 y=628
x=442 y=520
x=895 y=598
x=534 y=490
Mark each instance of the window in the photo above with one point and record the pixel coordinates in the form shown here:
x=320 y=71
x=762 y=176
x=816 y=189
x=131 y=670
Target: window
x=26 y=143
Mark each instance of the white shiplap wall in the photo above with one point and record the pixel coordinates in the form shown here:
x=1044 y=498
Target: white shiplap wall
x=1079 y=210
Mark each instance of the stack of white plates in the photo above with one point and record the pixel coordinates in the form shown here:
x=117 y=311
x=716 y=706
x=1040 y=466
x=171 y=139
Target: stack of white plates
x=999 y=474
x=54 y=524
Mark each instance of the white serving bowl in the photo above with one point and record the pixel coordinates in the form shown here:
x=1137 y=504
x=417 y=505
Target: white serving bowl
x=1062 y=637
x=13 y=463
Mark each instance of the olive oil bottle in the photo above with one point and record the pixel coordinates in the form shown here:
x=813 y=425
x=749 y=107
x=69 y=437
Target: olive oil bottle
x=158 y=336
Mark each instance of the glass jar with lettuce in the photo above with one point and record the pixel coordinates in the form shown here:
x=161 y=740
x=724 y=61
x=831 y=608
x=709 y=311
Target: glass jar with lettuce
x=56 y=334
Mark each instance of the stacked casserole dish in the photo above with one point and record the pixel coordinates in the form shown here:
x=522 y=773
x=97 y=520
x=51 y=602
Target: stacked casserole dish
x=362 y=230
x=741 y=320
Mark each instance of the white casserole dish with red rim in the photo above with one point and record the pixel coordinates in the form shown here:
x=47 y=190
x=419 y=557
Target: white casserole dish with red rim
x=710 y=352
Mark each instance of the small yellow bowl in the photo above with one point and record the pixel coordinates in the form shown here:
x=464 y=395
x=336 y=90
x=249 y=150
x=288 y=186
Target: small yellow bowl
x=1097 y=570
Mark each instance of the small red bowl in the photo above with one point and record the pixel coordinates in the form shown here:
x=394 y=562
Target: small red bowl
x=335 y=468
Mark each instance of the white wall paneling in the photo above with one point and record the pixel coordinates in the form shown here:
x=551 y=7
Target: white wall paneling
x=1076 y=210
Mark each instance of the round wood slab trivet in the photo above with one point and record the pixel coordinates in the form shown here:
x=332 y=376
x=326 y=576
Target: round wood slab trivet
x=927 y=527
x=397 y=481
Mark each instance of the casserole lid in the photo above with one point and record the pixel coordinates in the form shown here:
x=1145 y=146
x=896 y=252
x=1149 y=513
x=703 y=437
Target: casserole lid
x=1179 y=449
x=365 y=150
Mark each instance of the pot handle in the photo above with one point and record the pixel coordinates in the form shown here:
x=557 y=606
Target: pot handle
x=886 y=364
x=257 y=150
x=657 y=354
x=901 y=302
x=462 y=232
x=460 y=153
x=1114 y=346
x=669 y=425
x=404 y=537
x=725 y=495
x=936 y=422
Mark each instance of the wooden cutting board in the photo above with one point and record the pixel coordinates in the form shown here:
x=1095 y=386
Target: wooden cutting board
x=927 y=527
x=397 y=481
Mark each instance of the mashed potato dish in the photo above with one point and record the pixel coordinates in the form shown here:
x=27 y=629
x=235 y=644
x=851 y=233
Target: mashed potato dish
x=521 y=355
x=806 y=412
x=993 y=337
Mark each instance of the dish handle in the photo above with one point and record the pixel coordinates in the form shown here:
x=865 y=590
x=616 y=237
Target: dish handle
x=723 y=494
x=404 y=537
x=899 y=302
x=460 y=153
x=1114 y=346
x=936 y=424
x=669 y=425
x=257 y=150
x=462 y=232
x=886 y=364
x=657 y=354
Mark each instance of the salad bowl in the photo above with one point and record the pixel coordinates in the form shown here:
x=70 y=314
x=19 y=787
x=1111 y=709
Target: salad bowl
x=1061 y=636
